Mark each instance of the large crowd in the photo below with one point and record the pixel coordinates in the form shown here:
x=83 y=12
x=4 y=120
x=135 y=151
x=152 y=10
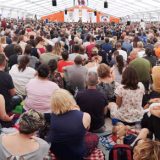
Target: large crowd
x=59 y=82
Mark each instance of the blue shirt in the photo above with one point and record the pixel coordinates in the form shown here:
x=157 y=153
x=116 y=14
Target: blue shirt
x=107 y=47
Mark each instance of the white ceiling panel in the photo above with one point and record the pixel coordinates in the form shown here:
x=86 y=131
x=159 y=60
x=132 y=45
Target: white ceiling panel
x=118 y=8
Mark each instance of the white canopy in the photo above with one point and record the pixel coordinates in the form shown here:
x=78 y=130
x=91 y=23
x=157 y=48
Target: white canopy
x=132 y=9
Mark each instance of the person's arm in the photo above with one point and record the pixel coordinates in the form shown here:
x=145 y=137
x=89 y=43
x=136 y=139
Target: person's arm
x=112 y=74
x=86 y=120
x=105 y=110
x=3 y=114
x=65 y=73
x=39 y=53
x=119 y=101
x=155 y=111
x=10 y=86
x=119 y=95
x=12 y=92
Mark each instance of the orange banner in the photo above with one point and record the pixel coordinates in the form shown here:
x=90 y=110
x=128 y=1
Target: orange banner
x=55 y=17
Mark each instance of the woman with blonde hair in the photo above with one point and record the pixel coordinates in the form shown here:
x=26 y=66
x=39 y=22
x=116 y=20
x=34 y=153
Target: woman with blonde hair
x=140 y=49
x=156 y=79
x=3 y=41
x=147 y=150
x=57 y=50
x=68 y=127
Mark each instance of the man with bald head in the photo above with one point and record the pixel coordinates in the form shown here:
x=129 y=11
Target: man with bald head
x=93 y=102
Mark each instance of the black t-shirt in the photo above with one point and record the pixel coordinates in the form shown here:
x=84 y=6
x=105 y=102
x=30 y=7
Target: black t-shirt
x=93 y=102
x=154 y=94
x=6 y=84
x=12 y=60
x=9 y=50
x=152 y=60
x=34 y=52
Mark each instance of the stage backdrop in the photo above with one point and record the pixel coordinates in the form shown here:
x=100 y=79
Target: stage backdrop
x=82 y=13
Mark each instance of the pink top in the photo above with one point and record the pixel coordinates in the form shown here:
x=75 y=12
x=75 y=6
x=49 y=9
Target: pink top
x=39 y=95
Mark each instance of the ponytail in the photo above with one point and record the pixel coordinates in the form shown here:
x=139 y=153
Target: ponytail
x=120 y=63
x=24 y=60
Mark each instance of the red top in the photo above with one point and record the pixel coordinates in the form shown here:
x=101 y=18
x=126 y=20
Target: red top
x=4 y=24
x=63 y=63
x=42 y=50
x=89 y=50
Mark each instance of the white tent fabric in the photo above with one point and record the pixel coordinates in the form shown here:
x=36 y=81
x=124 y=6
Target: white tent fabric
x=119 y=8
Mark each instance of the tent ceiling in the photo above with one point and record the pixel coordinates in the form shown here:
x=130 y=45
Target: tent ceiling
x=118 y=8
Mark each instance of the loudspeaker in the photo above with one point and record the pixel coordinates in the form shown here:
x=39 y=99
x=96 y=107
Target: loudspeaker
x=128 y=23
x=54 y=3
x=105 y=4
x=65 y=11
x=95 y=13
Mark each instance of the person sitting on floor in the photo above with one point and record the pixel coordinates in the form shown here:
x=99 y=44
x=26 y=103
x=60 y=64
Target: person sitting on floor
x=7 y=88
x=106 y=83
x=128 y=107
x=68 y=127
x=39 y=91
x=75 y=76
x=5 y=119
x=151 y=119
x=93 y=102
x=23 y=144
x=21 y=75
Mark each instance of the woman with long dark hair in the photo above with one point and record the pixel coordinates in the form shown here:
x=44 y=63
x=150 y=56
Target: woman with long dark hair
x=128 y=107
x=118 y=68
x=40 y=45
x=54 y=75
x=21 y=74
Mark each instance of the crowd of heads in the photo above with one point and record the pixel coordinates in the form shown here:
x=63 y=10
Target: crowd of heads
x=99 y=48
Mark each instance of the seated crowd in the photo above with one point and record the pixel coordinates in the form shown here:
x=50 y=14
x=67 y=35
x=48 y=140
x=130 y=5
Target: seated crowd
x=68 y=78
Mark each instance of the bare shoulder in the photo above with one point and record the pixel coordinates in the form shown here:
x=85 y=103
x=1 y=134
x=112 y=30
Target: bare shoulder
x=1 y=97
x=86 y=120
x=2 y=101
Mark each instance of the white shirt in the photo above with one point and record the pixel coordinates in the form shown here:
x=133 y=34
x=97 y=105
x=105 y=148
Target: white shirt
x=143 y=25
x=20 y=79
x=141 y=54
x=123 y=53
x=54 y=40
x=23 y=45
x=74 y=55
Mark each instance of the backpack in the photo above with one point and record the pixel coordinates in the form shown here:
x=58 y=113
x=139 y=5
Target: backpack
x=121 y=152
